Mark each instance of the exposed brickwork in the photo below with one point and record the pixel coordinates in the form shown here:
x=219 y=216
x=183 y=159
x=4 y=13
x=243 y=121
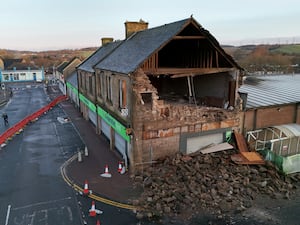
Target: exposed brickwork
x=158 y=125
x=275 y=116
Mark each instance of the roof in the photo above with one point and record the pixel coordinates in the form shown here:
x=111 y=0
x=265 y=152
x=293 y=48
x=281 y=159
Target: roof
x=290 y=130
x=61 y=66
x=138 y=47
x=97 y=56
x=263 y=91
x=9 y=63
x=135 y=49
x=72 y=79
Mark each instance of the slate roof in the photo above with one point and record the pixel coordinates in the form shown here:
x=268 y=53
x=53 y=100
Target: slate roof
x=97 y=56
x=72 y=79
x=138 y=47
x=269 y=90
x=61 y=66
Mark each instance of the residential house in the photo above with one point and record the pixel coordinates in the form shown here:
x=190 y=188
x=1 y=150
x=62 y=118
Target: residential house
x=64 y=70
x=72 y=88
x=87 y=80
x=160 y=91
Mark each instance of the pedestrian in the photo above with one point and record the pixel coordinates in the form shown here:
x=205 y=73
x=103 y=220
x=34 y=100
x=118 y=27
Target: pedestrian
x=5 y=118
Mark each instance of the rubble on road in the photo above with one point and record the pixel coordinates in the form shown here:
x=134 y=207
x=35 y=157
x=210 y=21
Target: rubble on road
x=209 y=181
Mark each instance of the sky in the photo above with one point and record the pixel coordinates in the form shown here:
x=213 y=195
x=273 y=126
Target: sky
x=40 y=25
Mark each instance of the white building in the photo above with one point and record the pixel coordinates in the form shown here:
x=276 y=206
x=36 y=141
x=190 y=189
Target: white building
x=22 y=75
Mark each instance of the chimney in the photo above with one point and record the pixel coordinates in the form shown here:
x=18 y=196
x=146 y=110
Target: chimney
x=132 y=27
x=106 y=40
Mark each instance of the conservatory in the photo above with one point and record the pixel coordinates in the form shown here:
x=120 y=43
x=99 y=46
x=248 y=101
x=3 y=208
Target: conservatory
x=279 y=144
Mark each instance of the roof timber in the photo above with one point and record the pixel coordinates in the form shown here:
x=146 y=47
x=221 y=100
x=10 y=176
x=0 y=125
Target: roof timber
x=184 y=72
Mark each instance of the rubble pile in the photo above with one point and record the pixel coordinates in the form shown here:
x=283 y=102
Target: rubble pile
x=208 y=181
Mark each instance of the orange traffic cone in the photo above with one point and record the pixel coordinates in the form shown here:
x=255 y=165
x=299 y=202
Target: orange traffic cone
x=92 y=210
x=106 y=173
x=98 y=222
x=86 y=188
x=120 y=167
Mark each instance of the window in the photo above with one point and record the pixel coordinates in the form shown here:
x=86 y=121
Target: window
x=16 y=76
x=109 y=88
x=6 y=77
x=98 y=84
x=122 y=94
x=90 y=80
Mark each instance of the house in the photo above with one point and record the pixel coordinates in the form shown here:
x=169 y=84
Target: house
x=271 y=118
x=22 y=75
x=162 y=90
x=72 y=88
x=86 y=79
x=64 y=70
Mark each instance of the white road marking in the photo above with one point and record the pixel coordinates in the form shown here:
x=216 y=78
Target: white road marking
x=42 y=203
x=7 y=214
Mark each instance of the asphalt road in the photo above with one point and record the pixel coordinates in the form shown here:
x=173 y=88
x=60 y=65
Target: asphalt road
x=32 y=190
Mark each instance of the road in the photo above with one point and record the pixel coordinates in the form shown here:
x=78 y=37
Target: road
x=32 y=190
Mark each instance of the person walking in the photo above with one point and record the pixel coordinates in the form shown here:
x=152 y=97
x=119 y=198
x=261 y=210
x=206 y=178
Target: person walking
x=5 y=118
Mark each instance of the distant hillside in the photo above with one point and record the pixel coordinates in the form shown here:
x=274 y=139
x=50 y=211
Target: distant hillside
x=46 y=59
x=286 y=49
x=253 y=58
x=267 y=58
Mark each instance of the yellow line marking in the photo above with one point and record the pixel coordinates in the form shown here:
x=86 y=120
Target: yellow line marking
x=92 y=196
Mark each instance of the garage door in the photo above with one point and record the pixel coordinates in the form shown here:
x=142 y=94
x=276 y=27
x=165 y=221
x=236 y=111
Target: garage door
x=120 y=144
x=93 y=117
x=105 y=128
x=196 y=143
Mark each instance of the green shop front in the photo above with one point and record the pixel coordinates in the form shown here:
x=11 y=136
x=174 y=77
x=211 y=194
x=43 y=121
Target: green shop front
x=115 y=132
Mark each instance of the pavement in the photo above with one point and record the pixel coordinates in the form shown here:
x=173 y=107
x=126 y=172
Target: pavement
x=118 y=190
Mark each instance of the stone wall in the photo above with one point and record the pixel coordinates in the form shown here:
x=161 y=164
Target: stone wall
x=158 y=125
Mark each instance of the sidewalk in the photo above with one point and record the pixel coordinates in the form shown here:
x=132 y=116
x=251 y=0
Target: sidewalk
x=119 y=188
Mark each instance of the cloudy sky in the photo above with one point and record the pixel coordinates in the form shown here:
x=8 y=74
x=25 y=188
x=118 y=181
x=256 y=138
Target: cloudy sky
x=58 y=24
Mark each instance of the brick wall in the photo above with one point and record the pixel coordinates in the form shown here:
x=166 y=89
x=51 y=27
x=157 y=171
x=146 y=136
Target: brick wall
x=272 y=116
x=275 y=116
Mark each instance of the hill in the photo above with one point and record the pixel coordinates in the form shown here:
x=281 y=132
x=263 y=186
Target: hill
x=267 y=58
x=253 y=58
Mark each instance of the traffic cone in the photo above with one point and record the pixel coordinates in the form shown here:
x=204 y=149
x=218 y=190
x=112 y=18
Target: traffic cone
x=92 y=210
x=86 y=188
x=106 y=173
x=98 y=222
x=120 y=167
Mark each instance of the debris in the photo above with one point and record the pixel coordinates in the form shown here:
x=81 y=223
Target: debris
x=217 y=148
x=208 y=182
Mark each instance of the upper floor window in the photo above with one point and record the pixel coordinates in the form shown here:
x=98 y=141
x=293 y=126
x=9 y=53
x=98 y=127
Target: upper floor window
x=90 y=83
x=122 y=94
x=99 y=77
x=109 y=88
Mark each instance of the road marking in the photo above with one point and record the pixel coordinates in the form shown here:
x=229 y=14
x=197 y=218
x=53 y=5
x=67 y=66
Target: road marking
x=42 y=203
x=92 y=196
x=7 y=214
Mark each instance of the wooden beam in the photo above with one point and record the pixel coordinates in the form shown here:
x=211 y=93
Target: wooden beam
x=202 y=72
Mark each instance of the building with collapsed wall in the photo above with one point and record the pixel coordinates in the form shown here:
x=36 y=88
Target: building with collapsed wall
x=160 y=91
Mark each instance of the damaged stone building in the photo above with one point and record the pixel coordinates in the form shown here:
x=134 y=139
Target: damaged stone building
x=161 y=90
